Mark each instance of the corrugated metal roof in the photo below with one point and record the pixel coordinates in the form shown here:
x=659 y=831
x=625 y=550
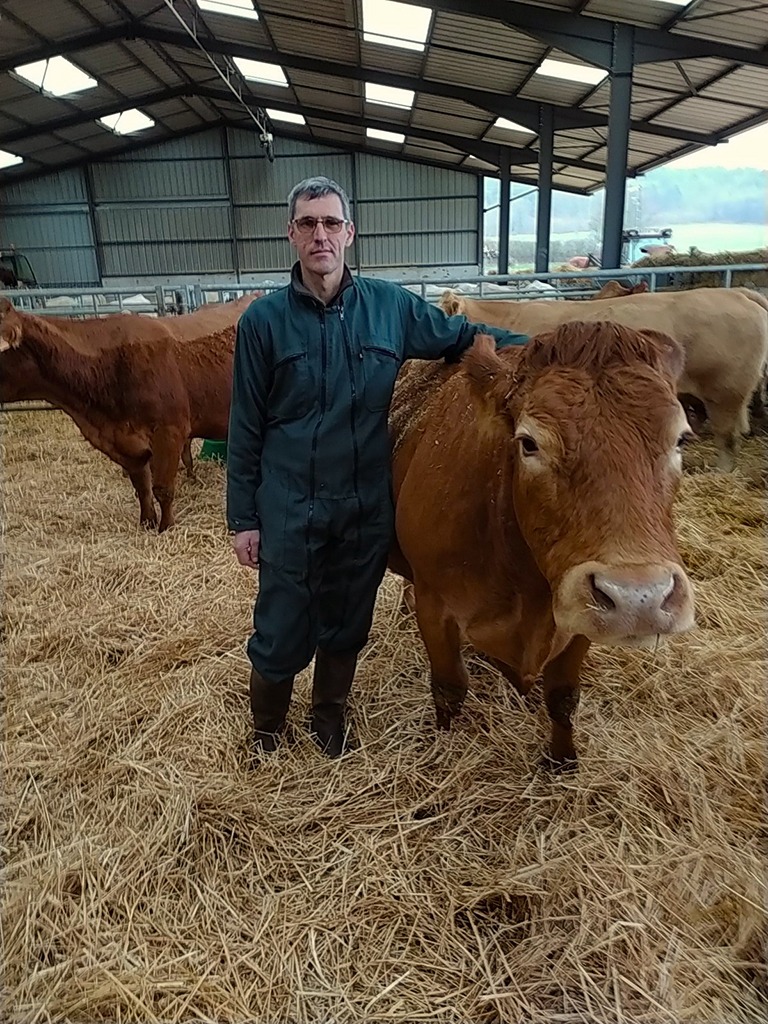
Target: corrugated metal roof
x=466 y=52
x=480 y=37
x=488 y=73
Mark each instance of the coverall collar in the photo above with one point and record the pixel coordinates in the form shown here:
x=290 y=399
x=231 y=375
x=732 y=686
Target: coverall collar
x=299 y=288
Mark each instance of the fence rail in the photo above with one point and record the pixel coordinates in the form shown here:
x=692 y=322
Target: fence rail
x=169 y=300
x=172 y=299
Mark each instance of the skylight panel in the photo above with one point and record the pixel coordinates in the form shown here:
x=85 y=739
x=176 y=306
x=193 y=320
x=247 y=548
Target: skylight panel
x=378 y=133
x=571 y=72
x=235 y=8
x=389 y=95
x=126 y=122
x=286 y=115
x=9 y=159
x=394 y=24
x=55 y=76
x=261 y=71
x=511 y=126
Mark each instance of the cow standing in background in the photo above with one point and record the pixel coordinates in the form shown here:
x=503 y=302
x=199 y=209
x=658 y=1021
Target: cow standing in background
x=138 y=397
x=723 y=333
x=533 y=493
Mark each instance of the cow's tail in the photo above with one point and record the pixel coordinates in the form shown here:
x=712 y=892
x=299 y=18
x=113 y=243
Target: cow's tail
x=758 y=408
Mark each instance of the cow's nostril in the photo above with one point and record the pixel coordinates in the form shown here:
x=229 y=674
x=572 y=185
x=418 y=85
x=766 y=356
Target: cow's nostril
x=601 y=599
x=671 y=596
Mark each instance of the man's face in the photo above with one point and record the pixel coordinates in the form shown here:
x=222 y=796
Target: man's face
x=320 y=251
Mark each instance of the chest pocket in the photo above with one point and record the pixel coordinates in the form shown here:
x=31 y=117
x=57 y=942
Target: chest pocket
x=380 y=368
x=291 y=395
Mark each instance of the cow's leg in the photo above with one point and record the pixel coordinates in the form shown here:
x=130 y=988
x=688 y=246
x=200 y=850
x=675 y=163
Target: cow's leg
x=729 y=420
x=521 y=683
x=186 y=458
x=167 y=445
x=448 y=676
x=561 y=694
x=142 y=484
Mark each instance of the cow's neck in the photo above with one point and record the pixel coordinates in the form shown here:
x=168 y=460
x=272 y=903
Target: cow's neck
x=71 y=379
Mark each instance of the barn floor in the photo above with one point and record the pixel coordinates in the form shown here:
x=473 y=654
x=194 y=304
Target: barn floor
x=151 y=875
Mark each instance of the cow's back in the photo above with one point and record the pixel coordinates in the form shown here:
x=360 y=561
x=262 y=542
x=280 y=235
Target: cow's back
x=723 y=331
x=209 y=318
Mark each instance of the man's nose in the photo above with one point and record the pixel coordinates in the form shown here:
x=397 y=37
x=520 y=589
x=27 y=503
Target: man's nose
x=320 y=227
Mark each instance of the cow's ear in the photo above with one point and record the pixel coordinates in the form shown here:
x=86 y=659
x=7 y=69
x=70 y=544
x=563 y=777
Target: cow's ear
x=672 y=354
x=10 y=331
x=489 y=377
x=451 y=302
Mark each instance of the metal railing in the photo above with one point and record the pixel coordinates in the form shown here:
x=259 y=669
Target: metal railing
x=171 y=299
x=168 y=300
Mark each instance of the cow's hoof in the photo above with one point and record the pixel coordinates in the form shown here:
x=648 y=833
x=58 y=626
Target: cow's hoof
x=148 y=524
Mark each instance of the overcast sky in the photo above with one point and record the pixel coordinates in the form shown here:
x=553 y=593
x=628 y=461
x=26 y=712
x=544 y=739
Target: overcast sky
x=750 y=149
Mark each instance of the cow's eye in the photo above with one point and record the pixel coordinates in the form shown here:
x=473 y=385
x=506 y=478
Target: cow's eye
x=527 y=445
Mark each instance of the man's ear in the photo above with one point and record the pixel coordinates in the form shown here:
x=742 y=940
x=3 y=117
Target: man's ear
x=350 y=235
x=489 y=378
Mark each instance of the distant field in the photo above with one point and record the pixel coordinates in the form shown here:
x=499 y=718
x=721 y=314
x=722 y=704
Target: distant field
x=718 y=237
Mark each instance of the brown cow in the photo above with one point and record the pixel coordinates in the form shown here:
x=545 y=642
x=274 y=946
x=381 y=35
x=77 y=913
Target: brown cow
x=138 y=401
x=723 y=331
x=96 y=333
x=616 y=290
x=534 y=491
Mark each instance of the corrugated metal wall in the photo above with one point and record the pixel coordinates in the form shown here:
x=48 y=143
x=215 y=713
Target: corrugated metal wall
x=49 y=220
x=210 y=206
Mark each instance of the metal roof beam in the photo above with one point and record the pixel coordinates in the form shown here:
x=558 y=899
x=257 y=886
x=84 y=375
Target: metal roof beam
x=526 y=111
x=11 y=175
x=591 y=37
x=63 y=47
x=94 y=113
x=345 y=147
x=491 y=151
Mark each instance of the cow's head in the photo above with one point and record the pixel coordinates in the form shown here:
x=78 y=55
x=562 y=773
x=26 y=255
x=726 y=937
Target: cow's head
x=17 y=367
x=10 y=326
x=589 y=421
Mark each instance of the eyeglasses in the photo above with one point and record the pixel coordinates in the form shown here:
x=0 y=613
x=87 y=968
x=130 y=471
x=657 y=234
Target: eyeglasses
x=307 y=225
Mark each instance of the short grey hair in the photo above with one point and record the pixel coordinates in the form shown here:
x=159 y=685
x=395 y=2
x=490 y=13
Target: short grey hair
x=316 y=188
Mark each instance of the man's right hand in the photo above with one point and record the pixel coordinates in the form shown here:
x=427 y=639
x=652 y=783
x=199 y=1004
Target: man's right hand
x=246 y=545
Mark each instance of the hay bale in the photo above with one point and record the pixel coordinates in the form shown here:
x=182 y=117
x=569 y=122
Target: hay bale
x=151 y=875
x=696 y=258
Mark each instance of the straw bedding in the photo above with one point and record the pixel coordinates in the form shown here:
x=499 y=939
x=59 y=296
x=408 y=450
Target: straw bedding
x=152 y=874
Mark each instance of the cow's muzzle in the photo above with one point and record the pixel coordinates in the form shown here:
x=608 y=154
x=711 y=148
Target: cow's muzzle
x=615 y=604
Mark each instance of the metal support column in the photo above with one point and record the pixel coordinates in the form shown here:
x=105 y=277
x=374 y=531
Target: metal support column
x=98 y=248
x=544 y=202
x=504 y=197
x=232 y=219
x=618 y=143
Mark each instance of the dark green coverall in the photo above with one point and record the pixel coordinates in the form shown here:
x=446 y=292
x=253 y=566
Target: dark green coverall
x=308 y=454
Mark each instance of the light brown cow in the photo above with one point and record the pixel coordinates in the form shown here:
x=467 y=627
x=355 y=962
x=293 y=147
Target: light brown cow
x=534 y=491
x=137 y=400
x=616 y=290
x=723 y=331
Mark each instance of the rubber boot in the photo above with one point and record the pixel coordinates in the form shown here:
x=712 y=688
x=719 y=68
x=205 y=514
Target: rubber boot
x=330 y=688
x=269 y=706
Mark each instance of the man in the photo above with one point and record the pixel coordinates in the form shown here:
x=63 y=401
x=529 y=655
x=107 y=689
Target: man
x=309 y=497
